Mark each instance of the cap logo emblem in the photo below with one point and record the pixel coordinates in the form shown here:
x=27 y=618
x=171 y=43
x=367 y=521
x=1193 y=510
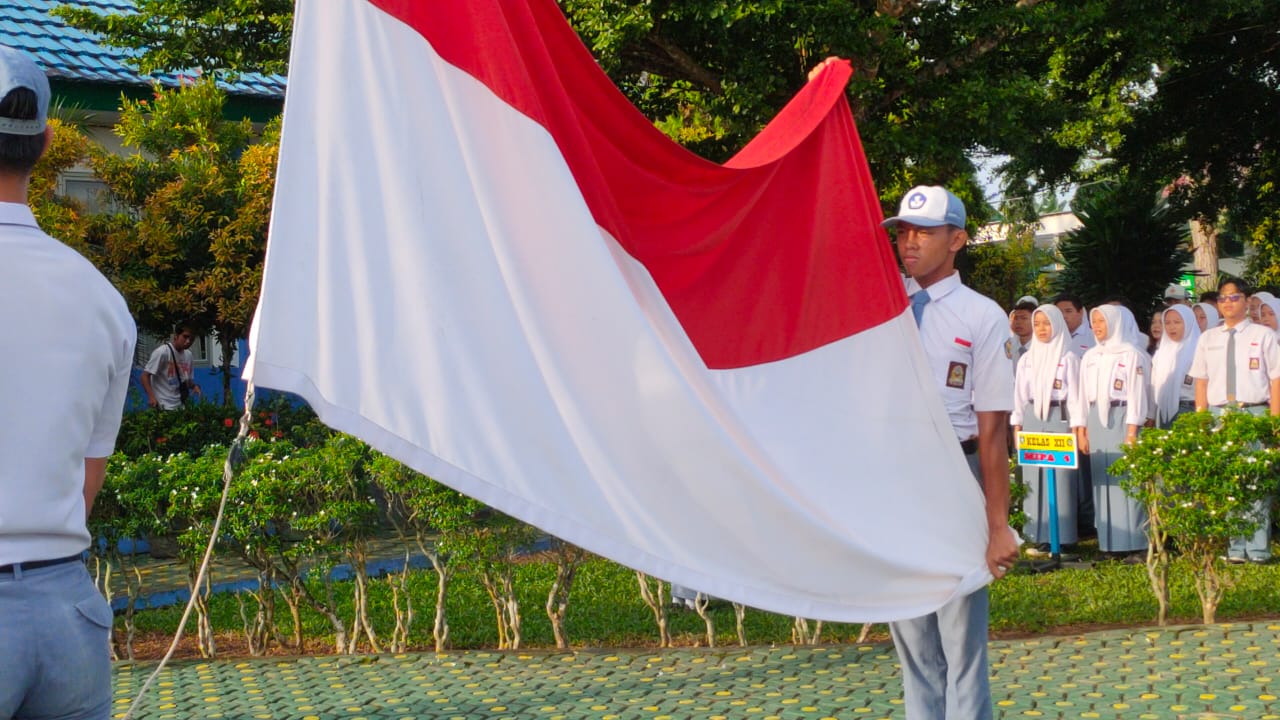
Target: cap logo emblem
x=916 y=201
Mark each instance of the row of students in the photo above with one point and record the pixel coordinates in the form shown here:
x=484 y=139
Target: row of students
x=1106 y=394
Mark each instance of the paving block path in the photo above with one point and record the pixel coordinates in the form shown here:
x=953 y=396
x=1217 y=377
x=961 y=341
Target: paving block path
x=1196 y=672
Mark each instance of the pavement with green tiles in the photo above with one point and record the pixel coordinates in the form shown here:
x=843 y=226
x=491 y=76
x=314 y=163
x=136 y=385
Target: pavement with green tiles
x=1199 y=672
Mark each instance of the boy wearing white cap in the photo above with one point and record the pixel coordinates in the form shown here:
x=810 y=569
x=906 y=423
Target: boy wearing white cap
x=965 y=337
x=69 y=350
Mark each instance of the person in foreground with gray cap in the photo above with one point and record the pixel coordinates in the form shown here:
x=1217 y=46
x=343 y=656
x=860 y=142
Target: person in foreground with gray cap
x=68 y=348
x=965 y=337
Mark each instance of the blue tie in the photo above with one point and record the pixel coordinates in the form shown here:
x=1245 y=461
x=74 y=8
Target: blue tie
x=918 y=300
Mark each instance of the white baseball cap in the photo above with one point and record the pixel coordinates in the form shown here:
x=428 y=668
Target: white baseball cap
x=18 y=70
x=1175 y=292
x=929 y=206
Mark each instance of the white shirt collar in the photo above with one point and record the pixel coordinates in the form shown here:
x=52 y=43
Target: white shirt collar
x=938 y=290
x=17 y=214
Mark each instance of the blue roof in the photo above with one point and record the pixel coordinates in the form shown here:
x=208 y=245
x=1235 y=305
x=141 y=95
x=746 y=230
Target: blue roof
x=70 y=54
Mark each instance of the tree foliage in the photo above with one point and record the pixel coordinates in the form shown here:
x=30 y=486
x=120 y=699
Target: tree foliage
x=210 y=35
x=195 y=198
x=1130 y=245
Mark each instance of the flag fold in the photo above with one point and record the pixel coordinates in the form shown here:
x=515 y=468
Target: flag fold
x=487 y=264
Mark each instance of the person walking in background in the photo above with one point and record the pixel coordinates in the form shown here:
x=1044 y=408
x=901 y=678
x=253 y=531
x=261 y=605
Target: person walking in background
x=68 y=347
x=167 y=379
x=1172 y=387
x=1047 y=398
x=1237 y=368
x=1114 y=376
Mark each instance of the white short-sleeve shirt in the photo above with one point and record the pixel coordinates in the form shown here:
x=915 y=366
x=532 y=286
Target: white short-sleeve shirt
x=1257 y=363
x=1128 y=381
x=1081 y=340
x=966 y=340
x=1065 y=391
x=68 y=348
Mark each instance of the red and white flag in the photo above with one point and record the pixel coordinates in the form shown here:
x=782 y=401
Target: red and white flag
x=487 y=264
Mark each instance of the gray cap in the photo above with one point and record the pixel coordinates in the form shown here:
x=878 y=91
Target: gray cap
x=18 y=70
x=929 y=206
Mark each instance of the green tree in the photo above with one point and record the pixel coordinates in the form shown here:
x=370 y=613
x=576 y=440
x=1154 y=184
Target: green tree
x=195 y=200
x=1130 y=245
x=210 y=35
x=1006 y=270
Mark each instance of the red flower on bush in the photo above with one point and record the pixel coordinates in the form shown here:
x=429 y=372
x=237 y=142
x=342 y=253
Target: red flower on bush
x=228 y=422
x=277 y=434
x=161 y=441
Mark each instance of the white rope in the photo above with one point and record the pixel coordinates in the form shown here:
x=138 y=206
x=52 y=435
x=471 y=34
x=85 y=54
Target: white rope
x=235 y=456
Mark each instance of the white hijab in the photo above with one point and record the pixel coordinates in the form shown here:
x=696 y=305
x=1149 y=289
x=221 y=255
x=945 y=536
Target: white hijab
x=1044 y=358
x=1273 y=303
x=1171 y=362
x=1211 y=316
x=1122 y=336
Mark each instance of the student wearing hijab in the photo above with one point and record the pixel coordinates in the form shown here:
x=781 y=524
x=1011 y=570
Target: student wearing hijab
x=1172 y=388
x=1237 y=368
x=1206 y=315
x=1047 y=398
x=1269 y=314
x=1114 y=378
x=1256 y=302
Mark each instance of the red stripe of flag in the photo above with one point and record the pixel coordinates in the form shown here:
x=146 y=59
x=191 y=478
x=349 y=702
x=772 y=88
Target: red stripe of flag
x=773 y=254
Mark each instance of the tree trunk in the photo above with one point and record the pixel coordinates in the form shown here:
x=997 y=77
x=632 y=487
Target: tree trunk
x=1204 y=245
x=739 y=617
x=227 y=345
x=654 y=595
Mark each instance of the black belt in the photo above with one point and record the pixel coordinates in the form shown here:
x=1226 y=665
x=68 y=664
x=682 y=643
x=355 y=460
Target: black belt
x=37 y=564
x=1119 y=403
x=969 y=446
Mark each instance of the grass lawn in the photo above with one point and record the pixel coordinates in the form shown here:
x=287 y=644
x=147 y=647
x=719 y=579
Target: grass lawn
x=605 y=609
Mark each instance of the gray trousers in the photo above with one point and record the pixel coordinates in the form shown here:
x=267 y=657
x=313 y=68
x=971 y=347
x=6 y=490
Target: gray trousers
x=944 y=656
x=55 y=661
x=1256 y=547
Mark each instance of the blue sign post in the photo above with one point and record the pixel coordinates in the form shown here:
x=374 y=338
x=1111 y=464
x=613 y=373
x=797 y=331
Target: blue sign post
x=1049 y=451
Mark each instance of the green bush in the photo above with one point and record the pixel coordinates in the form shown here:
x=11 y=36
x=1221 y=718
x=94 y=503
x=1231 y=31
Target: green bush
x=1200 y=480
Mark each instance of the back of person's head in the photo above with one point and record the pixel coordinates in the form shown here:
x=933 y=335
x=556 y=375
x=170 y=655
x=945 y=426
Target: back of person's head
x=24 y=111
x=1075 y=300
x=1209 y=296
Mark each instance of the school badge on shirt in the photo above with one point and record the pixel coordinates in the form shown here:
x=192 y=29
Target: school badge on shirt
x=1057 y=384
x=1118 y=384
x=1008 y=349
x=956 y=373
x=1253 y=364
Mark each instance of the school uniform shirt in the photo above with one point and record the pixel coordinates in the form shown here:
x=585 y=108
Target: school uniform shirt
x=1081 y=340
x=1066 y=390
x=1257 y=363
x=1019 y=348
x=1126 y=373
x=966 y=340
